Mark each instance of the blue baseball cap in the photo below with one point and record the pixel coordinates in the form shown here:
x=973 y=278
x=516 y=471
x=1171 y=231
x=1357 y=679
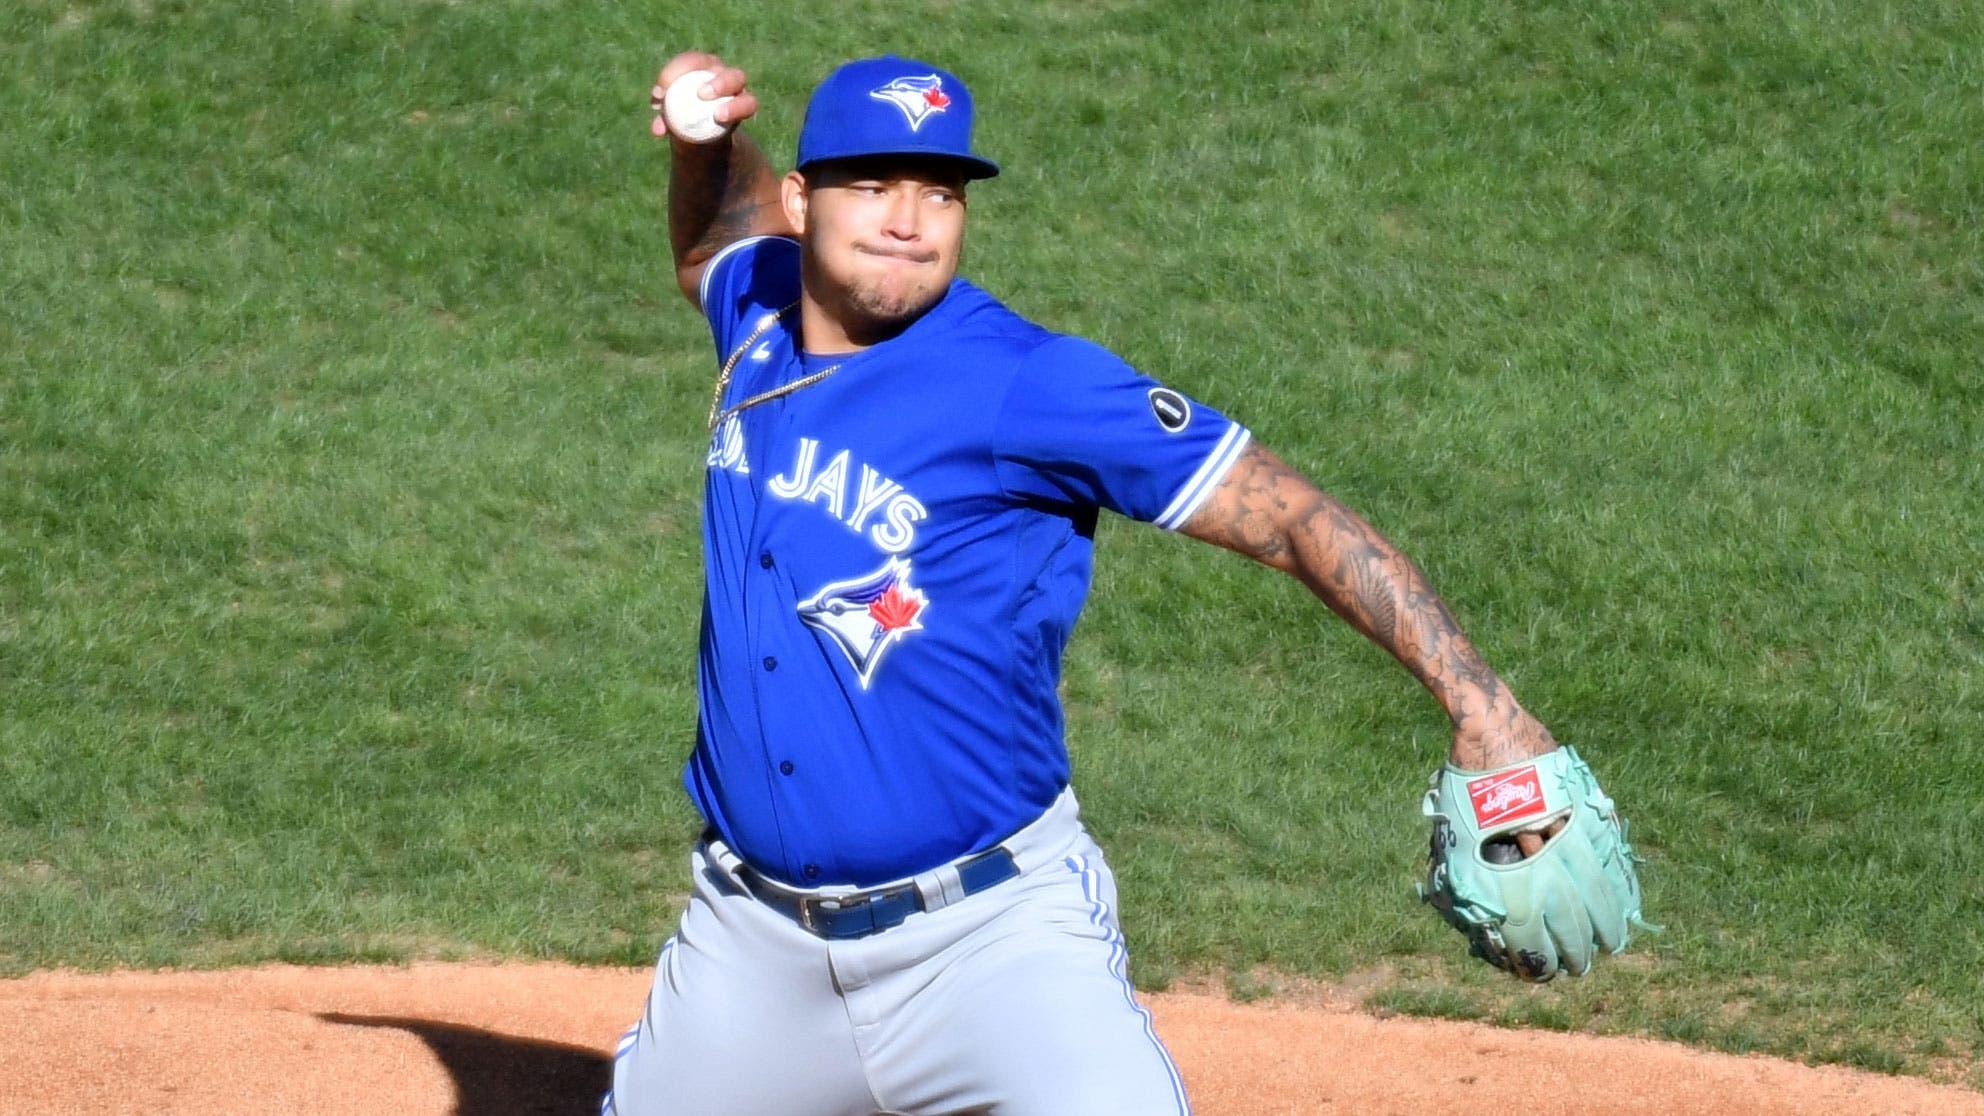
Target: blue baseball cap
x=891 y=106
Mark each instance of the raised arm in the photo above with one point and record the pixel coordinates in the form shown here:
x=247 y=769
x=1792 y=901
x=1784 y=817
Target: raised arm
x=1272 y=514
x=718 y=192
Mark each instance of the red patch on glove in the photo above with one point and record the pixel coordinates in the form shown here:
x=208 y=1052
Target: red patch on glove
x=1506 y=796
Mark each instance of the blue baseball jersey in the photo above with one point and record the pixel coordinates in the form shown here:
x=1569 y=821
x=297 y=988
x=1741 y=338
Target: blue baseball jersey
x=894 y=559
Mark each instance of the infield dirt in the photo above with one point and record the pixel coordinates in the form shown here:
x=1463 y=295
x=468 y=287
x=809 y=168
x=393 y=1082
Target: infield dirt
x=480 y=1040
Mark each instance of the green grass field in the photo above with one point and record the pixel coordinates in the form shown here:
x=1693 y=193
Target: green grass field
x=351 y=440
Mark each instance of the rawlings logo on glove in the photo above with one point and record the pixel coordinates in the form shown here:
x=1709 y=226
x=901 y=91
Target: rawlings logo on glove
x=1544 y=914
x=1507 y=797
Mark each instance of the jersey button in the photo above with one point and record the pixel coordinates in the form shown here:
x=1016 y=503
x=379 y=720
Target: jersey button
x=765 y=560
x=771 y=663
x=785 y=767
x=812 y=871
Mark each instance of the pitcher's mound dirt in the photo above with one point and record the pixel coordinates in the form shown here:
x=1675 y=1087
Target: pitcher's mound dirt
x=490 y=1040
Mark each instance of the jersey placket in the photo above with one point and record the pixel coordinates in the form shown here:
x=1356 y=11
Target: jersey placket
x=776 y=700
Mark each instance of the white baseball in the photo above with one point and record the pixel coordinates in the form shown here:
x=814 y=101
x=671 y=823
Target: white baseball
x=691 y=118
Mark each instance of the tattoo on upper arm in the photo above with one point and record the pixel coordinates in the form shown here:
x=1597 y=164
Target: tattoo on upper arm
x=708 y=210
x=1246 y=511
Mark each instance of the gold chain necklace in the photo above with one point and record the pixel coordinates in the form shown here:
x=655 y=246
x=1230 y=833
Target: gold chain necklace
x=730 y=365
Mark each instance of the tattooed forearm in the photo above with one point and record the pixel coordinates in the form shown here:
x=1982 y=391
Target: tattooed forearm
x=719 y=193
x=1271 y=513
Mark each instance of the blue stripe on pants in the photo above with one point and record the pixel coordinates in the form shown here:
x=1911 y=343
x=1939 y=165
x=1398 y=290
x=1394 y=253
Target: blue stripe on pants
x=1119 y=956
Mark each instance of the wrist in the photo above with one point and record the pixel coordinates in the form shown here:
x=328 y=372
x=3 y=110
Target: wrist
x=1498 y=737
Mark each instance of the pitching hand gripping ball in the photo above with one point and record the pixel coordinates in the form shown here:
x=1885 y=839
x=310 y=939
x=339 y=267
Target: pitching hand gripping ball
x=691 y=118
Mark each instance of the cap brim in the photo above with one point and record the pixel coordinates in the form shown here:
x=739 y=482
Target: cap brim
x=974 y=167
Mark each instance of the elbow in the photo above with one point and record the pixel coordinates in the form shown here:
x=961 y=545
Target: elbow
x=1276 y=549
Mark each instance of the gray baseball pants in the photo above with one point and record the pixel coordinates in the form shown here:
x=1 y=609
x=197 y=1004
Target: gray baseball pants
x=1010 y=1002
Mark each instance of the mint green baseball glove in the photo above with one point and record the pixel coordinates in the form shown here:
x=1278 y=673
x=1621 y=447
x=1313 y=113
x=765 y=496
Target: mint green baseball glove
x=1552 y=912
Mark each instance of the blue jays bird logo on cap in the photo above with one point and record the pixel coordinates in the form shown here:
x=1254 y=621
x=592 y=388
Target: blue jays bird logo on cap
x=917 y=97
x=867 y=615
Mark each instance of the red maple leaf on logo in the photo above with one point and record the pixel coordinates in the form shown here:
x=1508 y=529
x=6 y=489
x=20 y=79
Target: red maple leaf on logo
x=894 y=609
x=936 y=98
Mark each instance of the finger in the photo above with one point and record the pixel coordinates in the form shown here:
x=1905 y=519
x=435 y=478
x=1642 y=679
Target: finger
x=1538 y=960
x=727 y=82
x=683 y=63
x=1607 y=909
x=1532 y=843
x=742 y=108
x=1569 y=927
x=658 y=129
x=1608 y=890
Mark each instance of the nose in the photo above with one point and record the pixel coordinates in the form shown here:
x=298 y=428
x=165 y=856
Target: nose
x=902 y=222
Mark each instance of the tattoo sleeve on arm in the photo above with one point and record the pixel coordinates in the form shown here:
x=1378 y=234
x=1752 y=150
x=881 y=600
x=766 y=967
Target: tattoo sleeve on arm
x=717 y=194
x=1271 y=513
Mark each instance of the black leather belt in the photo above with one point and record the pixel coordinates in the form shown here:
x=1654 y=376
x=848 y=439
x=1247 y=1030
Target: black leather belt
x=861 y=913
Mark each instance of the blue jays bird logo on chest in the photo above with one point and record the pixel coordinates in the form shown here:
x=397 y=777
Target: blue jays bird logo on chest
x=867 y=615
x=919 y=98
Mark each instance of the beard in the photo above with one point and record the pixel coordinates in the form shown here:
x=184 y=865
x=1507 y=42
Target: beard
x=870 y=307
x=888 y=307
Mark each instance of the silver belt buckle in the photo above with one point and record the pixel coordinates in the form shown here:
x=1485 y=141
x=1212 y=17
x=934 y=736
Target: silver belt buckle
x=807 y=907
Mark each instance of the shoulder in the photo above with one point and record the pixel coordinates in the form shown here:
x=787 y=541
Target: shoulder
x=978 y=318
x=765 y=266
x=979 y=314
x=1067 y=354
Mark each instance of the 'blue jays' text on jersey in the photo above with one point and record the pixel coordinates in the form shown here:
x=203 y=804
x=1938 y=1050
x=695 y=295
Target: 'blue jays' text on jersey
x=894 y=558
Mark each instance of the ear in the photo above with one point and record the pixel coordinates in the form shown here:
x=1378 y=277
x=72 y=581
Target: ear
x=792 y=198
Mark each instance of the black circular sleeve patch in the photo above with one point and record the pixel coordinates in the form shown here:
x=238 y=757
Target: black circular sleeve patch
x=1173 y=410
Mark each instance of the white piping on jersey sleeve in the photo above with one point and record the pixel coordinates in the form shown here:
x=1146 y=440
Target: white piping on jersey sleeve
x=1211 y=471
x=709 y=269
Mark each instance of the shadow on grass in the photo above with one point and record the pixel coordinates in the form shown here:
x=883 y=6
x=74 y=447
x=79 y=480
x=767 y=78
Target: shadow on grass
x=498 y=1075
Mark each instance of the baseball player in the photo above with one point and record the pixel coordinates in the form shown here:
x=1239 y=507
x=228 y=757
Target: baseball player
x=896 y=908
